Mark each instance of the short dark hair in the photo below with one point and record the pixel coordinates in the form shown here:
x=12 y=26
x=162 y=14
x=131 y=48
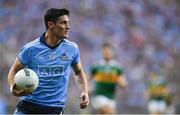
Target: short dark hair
x=107 y=44
x=53 y=14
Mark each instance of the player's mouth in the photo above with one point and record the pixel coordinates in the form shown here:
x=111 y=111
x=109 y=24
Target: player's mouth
x=66 y=32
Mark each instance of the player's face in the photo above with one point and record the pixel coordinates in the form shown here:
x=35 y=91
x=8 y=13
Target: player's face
x=107 y=53
x=61 y=27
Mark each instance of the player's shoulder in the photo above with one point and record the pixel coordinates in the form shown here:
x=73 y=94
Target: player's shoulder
x=70 y=43
x=33 y=43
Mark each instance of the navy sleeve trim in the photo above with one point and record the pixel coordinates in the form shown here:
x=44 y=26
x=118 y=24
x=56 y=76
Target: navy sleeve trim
x=74 y=63
x=21 y=61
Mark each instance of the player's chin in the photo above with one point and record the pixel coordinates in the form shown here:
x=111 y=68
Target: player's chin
x=65 y=36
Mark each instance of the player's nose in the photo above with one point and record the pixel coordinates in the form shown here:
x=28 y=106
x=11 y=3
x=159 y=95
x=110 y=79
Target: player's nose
x=67 y=26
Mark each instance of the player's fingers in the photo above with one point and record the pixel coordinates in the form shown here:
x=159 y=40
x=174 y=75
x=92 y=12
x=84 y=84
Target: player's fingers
x=17 y=93
x=14 y=87
x=86 y=99
x=22 y=92
x=27 y=91
x=85 y=102
x=83 y=105
x=83 y=97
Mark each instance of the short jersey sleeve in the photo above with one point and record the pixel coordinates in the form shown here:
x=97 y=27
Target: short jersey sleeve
x=93 y=70
x=120 y=71
x=24 y=55
x=76 y=57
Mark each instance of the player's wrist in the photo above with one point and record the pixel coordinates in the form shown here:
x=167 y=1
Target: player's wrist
x=84 y=91
x=11 y=85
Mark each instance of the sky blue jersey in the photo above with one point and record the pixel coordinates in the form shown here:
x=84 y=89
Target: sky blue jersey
x=52 y=65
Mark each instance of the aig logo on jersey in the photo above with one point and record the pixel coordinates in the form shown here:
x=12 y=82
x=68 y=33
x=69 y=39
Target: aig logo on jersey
x=50 y=70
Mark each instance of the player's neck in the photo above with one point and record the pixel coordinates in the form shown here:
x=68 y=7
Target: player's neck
x=51 y=40
x=107 y=60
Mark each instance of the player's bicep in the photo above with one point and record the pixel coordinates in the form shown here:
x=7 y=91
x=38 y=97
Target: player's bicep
x=17 y=65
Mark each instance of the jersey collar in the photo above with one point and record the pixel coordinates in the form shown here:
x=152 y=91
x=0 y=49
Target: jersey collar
x=110 y=62
x=42 y=40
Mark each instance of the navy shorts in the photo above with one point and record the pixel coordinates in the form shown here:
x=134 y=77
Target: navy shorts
x=26 y=107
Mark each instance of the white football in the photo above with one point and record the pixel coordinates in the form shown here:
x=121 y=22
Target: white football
x=26 y=78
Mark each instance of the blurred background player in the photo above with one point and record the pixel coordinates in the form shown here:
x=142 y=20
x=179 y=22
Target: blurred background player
x=160 y=98
x=107 y=75
x=51 y=56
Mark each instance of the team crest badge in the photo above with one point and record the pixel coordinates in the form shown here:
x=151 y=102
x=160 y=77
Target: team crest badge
x=64 y=57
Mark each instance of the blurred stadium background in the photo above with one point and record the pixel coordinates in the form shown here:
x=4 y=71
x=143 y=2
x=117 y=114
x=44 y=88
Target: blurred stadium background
x=145 y=34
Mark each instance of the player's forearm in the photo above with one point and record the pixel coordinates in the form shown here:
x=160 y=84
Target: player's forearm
x=14 y=69
x=83 y=81
x=11 y=75
x=122 y=82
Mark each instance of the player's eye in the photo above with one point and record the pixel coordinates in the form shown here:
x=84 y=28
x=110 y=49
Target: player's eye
x=64 y=22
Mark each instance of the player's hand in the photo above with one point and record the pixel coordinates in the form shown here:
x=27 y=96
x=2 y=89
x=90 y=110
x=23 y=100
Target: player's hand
x=19 y=93
x=84 y=100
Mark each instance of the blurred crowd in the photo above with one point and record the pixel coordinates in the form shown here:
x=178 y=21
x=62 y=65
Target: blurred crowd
x=145 y=34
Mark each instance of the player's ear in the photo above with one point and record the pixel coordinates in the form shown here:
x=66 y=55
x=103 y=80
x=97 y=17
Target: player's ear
x=50 y=25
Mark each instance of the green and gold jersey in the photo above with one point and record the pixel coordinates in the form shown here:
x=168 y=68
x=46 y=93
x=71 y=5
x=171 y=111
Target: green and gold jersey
x=105 y=76
x=158 y=91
